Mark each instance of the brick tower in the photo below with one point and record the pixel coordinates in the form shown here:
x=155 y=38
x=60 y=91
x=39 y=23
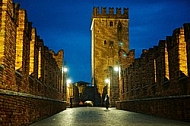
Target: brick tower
x=109 y=39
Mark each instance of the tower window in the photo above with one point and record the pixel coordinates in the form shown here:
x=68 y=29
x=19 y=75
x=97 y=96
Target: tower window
x=111 y=23
x=111 y=44
x=105 y=42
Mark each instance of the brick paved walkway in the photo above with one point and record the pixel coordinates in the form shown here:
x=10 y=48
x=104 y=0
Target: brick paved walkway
x=95 y=116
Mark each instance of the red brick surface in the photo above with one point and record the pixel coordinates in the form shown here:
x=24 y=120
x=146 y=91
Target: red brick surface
x=22 y=110
x=169 y=107
x=158 y=82
x=31 y=79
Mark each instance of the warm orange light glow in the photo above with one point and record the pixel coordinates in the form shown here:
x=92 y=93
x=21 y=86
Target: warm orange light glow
x=68 y=81
x=107 y=80
x=116 y=68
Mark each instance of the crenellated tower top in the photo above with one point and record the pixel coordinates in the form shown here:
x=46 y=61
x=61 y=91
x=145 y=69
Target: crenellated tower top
x=103 y=13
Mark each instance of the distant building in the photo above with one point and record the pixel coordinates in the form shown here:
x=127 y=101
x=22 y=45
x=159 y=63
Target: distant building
x=82 y=92
x=81 y=86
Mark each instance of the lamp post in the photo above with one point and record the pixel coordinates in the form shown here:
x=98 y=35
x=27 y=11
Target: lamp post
x=65 y=69
x=107 y=81
x=116 y=68
x=64 y=74
x=69 y=89
x=114 y=84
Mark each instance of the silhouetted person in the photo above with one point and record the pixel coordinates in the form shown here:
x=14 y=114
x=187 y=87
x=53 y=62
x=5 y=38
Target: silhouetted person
x=71 y=102
x=106 y=101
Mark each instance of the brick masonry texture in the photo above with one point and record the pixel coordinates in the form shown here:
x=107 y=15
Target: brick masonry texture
x=19 y=109
x=158 y=82
x=110 y=35
x=31 y=80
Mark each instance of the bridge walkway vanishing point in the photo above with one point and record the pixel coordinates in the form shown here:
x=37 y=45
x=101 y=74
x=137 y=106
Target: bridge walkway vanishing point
x=98 y=116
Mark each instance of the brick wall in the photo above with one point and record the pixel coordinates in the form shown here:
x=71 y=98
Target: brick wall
x=20 y=109
x=168 y=107
x=162 y=87
x=23 y=49
x=7 y=43
x=31 y=81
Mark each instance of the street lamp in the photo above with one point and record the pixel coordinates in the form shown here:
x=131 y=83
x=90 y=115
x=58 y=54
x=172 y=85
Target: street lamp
x=107 y=81
x=113 y=88
x=64 y=77
x=65 y=69
x=68 y=81
x=116 y=68
x=69 y=90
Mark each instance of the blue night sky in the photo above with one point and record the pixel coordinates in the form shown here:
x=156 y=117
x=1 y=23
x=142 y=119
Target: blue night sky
x=65 y=24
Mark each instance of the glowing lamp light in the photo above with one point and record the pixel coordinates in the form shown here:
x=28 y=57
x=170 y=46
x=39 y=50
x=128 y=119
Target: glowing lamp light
x=125 y=55
x=120 y=44
x=107 y=80
x=116 y=68
x=69 y=81
x=65 y=69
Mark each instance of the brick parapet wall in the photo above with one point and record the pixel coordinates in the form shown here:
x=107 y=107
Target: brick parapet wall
x=23 y=48
x=23 y=109
x=110 y=14
x=187 y=39
x=172 y=107
x=163 y=72
x=25 y=95
x=8 y=39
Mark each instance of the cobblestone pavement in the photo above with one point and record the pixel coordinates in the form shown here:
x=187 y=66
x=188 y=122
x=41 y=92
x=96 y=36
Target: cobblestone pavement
x=97 y=116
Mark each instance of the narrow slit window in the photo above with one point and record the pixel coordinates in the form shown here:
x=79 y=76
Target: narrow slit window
x=111 y=44
x=105 y=42
x=111 y=23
